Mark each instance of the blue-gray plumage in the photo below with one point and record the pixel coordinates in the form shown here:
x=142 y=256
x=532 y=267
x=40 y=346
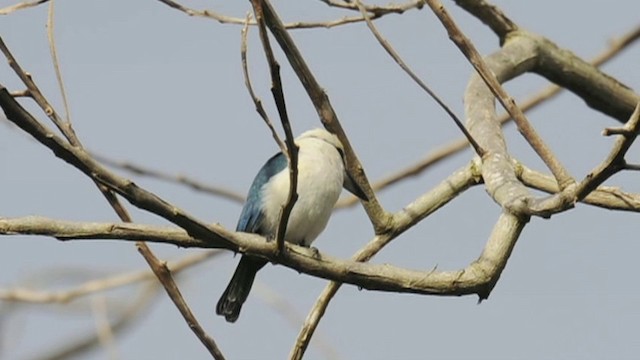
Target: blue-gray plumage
x=321 y=177
x=251 y=215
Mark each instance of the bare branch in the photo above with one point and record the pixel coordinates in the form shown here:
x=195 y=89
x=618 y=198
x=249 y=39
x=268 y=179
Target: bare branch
x=530 y=134
x=375 y=11
x=389 y=49
x=56 y=65
x=247 y=81
x=600 y=91
x=162 y=272
x=38 y=97
x=607 y=197
x=615 y=161
x=19 y=6
x=368 y=276
x=491 y=15
x=177 y=178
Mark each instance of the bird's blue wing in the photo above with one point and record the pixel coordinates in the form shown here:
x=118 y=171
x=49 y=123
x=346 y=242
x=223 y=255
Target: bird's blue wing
x=251 y=215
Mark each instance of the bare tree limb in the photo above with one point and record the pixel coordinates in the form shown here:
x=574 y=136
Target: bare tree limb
x=163 y=273
x=599 y=91
x=491 y=15
x=368 y=276
x=615 y=162
x=530 y=134
x=607 y=197
x=396 y=57
x=187 y=181
x=19 y=6
x=247 y=81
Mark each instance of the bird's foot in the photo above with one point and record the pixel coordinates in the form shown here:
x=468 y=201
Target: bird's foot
x=315 y=253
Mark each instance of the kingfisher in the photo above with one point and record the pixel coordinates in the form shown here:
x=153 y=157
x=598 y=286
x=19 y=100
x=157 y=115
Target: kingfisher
x=321 y=176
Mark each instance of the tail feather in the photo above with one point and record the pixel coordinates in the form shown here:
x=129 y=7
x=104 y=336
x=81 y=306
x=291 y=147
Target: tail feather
x=237 y=291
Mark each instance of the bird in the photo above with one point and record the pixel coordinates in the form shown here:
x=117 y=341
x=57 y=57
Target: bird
x=321 y=176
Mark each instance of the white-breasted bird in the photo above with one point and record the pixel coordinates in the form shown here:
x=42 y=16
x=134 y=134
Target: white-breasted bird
x=321 y=177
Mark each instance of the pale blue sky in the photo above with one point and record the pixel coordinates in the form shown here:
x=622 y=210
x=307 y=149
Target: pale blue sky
x=153 y=86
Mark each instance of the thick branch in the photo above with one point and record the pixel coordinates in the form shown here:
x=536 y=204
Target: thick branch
x=599 y=90
x=476 y=279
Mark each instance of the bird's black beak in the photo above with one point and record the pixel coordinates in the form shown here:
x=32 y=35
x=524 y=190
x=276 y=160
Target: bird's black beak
x=353 y=187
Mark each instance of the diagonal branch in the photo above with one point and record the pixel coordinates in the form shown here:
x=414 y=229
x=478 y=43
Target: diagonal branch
x=389 y=49
x=163 y=274
x=247 y=81
x=19 y=6
x=530 y=134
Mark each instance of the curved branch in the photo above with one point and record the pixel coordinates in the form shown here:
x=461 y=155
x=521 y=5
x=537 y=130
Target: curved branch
x=491 y=16
x=478 y=278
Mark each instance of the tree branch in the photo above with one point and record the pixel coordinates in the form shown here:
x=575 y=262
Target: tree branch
x=530 y=134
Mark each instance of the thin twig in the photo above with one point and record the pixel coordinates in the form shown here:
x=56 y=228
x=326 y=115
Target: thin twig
x=607 y=197
x=292 y=148
x=247 y=81
x=56 y=64
x=177 y=178
x=396 y=57
x=615 y=161
x=375 y=11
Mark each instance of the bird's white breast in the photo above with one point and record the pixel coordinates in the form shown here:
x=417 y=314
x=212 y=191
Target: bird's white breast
x=320 y=179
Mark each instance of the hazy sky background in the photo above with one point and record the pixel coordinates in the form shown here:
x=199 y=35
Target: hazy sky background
x=150 y=85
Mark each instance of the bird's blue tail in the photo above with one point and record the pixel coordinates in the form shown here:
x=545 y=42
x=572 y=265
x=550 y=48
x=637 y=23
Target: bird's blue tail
x=237 y=291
